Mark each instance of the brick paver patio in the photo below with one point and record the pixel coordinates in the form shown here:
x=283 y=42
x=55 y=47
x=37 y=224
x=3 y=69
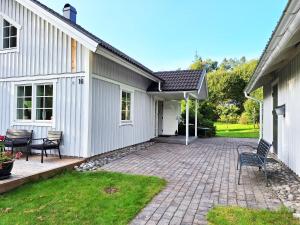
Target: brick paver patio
x=199 y=176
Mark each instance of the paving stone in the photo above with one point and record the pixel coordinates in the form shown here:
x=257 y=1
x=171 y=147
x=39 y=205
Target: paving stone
x=199 y=176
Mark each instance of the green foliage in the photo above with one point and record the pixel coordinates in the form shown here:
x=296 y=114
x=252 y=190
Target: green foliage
x=227 y=215
x=252 y=107
x=199 y=64
x=228 y=113
x=79 y=198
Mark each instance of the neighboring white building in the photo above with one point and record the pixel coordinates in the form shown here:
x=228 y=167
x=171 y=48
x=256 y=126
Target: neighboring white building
x=278 y=72
x=56 y=75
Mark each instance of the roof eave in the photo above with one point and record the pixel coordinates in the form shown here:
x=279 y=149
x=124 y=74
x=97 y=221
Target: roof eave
x=107 y=54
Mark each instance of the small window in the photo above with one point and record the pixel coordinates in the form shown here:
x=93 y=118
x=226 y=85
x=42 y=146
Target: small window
x=9 y=35
x=44 y=102
x=24 y=102
x=126 y=115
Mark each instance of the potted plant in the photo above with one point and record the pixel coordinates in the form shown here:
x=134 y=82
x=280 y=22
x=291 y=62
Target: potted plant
x=7 y=162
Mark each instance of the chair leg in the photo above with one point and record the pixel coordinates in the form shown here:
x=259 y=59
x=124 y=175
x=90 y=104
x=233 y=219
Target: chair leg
x=237 y=163
x=27 y=152
x=266 y=175
x=12 y=150
x=46 y=153
x=59 y=153
x=240 y=174
x=42 y=156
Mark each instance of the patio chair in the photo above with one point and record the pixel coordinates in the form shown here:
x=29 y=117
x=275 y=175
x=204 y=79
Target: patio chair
x=258 y=159
x=17 y=138
x=52 y=142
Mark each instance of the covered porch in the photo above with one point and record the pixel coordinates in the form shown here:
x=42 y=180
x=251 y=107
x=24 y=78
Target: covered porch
x=168 y=116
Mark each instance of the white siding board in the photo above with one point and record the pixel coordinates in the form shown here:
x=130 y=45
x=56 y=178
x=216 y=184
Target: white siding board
x=43 y=49
x=288 y=127
x=68 y=114
x=107 y=134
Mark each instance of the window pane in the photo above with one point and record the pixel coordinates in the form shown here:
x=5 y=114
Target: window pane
x=13 y=31
x=27 y=114
x=128 y=96
x=39 y=114
x=40 y=102
x=48 y=102
x=40 y=90
x=123 y=117
x=123 y=96
x=48 y=90
x=20 y=91
x=19 y=114
x=27 y=103
x=28 y=91
x=128 y=115
x=123 y=105
x=48 y=115
x=6 y=43
x=6 y=23
x=20 y=103
x=6 y=32
x=13 y=42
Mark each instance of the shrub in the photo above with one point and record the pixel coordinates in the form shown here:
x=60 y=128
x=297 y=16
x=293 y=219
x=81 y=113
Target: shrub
x=244 y=119
x=204 y=123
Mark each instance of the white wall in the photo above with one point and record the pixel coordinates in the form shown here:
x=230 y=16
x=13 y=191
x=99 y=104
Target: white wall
x=43 y=48
x=171 y=113
x=267 y=114
x=107 y=132
x=288 y=127
x=68 y=111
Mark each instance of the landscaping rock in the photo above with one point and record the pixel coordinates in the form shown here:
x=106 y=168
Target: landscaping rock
x=286 y=185
x=98 y=161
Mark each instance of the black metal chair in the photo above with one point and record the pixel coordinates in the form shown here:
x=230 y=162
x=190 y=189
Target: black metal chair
x=52 y=142
x=18 y=138
x=258 y=159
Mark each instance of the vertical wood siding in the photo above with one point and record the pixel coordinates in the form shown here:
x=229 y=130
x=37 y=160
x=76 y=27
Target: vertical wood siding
x=68 y=114
x=288 y=127
x=109 y=69
x=43 y=48
x=267 y=114
x=107 y=134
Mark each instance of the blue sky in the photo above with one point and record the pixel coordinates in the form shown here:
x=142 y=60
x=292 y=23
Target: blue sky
x=165 y=34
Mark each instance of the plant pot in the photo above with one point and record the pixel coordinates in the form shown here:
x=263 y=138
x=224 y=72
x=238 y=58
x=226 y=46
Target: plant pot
x=6 y=169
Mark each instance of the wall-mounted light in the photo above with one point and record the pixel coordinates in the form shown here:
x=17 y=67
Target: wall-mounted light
x=280 y=110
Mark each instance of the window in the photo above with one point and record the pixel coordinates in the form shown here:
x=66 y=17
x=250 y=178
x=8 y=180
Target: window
x=9 y=35
x=24 y=102
x=126 y=106
x=44 y=102
x=34 y=102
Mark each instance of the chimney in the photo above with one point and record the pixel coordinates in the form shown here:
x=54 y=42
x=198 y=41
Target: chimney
x=70 y=12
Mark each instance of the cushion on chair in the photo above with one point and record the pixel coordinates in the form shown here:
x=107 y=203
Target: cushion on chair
x=46 y=146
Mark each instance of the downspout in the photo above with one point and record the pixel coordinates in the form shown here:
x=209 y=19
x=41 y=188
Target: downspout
x=260 y=113
x=159 y=86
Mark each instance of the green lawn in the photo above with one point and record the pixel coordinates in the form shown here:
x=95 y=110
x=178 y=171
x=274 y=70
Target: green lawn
x=236 y=130
x=222 y=215
x=79 y=198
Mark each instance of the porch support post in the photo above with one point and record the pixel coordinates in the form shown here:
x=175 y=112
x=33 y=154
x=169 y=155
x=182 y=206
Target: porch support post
x=186 y=119
x=196 y=118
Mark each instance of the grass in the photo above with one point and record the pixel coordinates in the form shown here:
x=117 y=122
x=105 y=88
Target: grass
x=236 y=130
x=79 y=198
x=222 y=215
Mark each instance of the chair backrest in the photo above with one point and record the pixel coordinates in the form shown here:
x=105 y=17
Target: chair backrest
x=55 y=136
x=263 y=149
x=14 y=133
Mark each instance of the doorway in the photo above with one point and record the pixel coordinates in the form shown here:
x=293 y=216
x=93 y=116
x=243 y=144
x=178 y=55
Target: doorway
x=275 y=119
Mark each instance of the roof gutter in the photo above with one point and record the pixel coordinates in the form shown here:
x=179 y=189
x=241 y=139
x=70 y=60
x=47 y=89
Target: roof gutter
x=260 y=113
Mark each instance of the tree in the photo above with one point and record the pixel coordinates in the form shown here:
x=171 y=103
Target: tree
x=199 y=64
x=252 y=107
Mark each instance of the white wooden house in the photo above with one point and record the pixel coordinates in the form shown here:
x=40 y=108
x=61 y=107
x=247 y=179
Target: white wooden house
x=278 y=72
x=56 y=75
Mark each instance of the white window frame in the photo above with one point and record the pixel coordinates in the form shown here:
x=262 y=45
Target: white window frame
x=131 y=92
x=33 y=121
x=18 y=26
